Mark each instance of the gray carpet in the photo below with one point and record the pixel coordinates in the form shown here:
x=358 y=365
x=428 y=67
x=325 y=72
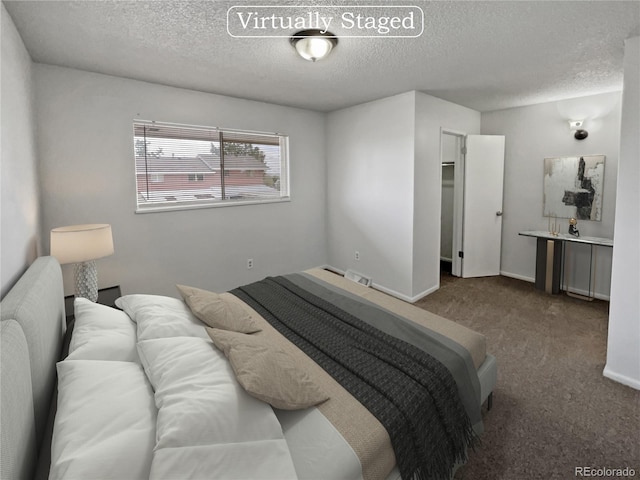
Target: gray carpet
x=553 y=410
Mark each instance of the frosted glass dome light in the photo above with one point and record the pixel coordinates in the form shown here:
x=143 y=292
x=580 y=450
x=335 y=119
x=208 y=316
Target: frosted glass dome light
x=313 y=45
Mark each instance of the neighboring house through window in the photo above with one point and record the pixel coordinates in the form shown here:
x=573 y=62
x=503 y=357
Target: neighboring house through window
x=179 y=166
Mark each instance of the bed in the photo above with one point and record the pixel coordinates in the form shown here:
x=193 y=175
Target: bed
x=151 y=390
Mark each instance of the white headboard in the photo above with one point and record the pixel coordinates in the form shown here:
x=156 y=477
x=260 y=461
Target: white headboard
x=33 y=327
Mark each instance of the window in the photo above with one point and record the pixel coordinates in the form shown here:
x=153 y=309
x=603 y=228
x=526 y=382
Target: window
x=181 y=166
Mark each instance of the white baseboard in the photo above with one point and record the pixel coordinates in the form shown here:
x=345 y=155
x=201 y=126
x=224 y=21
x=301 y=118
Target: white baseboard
x=415 y=298
x=401 y=296
x=584 y=293
x=628 y=381
x=386 y=290
x=517 y=277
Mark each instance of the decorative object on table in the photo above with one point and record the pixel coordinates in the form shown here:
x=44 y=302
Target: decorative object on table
x=573 y=187
x=553 y=226
x=83 y=245
x=573 y=227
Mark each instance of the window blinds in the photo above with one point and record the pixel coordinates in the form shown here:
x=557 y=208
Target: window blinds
x=180 y=166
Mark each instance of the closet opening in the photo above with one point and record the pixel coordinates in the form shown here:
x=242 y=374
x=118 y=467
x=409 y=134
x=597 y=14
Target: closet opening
x=452 y=175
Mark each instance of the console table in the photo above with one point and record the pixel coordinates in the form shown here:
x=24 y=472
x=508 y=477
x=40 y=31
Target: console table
x=550 y=253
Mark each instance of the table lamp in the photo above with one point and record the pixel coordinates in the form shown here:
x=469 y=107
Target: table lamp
x=83 y=245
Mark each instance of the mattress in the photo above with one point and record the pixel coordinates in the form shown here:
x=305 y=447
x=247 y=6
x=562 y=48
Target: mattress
x=474 y=342
x=294 y=443
x=362 y=432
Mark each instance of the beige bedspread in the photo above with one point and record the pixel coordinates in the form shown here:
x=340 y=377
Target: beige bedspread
x=361 y=429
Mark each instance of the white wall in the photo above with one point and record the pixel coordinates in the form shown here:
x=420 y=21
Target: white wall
x=538 y=131
x=19 y=200
x=383 y=185
x=432 y=115
x=85 y=137
x=370 y=158
x=623 y=351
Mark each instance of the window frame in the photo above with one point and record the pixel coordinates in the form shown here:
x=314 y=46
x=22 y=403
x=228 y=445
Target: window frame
x=199 y=202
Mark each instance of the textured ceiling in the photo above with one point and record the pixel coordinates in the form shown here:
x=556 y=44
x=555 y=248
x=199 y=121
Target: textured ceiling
x=483 y=55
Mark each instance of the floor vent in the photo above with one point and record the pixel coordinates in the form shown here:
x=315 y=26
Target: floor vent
x=358 y=278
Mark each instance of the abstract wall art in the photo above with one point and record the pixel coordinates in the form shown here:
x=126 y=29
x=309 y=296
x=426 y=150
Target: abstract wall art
x=573 y=187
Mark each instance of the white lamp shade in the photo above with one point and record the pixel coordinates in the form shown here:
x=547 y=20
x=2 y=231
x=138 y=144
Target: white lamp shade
x=81 y=243
x=313 y=48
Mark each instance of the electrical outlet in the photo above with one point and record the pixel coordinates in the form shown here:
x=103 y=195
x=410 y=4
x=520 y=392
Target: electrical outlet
x=357 y=255
x=249 y=263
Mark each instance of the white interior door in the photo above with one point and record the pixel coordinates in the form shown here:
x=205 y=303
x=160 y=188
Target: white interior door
x=482 y=223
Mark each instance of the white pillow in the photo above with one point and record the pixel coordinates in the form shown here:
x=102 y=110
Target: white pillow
x=102 y=333
x=198 y=398
x=105 y=422
x=207 y=425
x=161 y=317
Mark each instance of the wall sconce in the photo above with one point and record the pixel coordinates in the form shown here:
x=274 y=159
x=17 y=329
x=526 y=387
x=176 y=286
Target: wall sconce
x=82 y=245
x=576 y=126
x=313 y=45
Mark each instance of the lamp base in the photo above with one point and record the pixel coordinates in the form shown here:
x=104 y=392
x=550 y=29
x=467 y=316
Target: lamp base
x=86 y=276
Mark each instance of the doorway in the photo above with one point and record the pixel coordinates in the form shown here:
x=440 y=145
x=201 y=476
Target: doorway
x=452 y=200
x=472 y=171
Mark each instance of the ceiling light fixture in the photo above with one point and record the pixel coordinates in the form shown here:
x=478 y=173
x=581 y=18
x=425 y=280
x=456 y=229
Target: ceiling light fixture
x=314 y=45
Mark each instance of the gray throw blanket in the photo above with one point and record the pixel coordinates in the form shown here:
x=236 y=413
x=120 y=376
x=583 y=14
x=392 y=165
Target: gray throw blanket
x=411 y=393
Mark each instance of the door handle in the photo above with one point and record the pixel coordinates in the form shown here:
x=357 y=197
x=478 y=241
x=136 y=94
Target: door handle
x=498 y=214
